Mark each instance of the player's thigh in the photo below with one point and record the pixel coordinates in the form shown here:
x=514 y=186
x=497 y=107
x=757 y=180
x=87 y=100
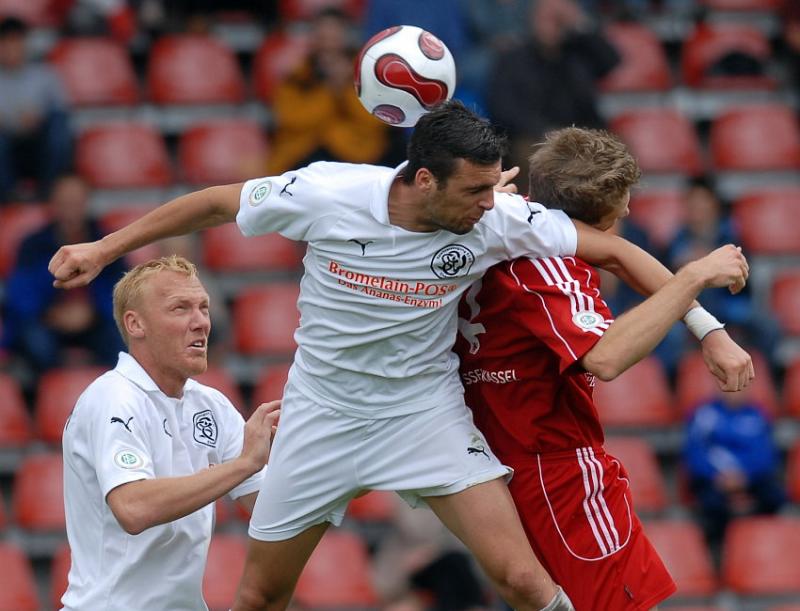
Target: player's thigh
x=484 y=518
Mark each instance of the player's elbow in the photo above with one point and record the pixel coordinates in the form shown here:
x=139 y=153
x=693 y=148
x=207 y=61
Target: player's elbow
x=602 y=365
x=132 y=515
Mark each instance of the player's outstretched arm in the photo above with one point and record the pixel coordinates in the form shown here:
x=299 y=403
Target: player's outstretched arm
x=142 y=504
x=76 y=265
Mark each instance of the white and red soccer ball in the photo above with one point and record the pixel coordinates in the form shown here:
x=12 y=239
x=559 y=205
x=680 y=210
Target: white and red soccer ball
x=403 y=72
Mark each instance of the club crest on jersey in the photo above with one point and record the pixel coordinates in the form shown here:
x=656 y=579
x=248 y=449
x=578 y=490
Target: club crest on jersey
x=587 y=320
x=205 y=428
x=452 y=261
x=259 y=193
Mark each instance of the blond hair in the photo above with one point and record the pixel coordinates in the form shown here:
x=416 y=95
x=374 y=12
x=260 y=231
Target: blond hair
x=128 y=289
x=584 y=172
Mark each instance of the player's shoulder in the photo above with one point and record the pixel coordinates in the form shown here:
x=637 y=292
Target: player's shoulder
x=553 y=270
x=109 y=391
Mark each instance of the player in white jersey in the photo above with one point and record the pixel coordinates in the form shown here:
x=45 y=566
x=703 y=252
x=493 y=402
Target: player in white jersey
x=373 y=399
x=138 y=448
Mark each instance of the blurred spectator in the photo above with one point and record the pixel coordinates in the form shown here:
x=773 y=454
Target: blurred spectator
x=732 y=462
x=40 y=322
x=549 y=81
x=707 y=228
x=317 y=113
x=116 y=18
x=35 y=140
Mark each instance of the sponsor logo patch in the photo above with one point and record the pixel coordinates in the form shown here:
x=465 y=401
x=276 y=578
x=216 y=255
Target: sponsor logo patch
x=587 y=319
x=259 y=193
x=128 y=459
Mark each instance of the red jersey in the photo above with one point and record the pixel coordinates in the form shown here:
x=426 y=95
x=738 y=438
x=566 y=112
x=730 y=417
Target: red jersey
x=522 y=330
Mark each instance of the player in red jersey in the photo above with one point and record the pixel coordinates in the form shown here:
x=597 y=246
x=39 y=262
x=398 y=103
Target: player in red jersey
x=534 y=335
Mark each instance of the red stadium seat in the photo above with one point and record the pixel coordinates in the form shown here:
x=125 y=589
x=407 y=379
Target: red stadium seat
x=56 y=394
x=224 y=567
x=17 y=583
x=660 y=213
x=95 y=71
x=15 y=423
x=270 y=384
x=218 y=377
x=644 y=64
x=695 y=384
x=17 y=221
x=785 y=301
x=756 y=138
x=793 y=472
x=221 y=152
x=276 y=58
x=661 y=140
x=118 y=218
x=646 y=480
x=337 y=574
x=683 y=550
x=226 y=249
x=765 y=220
x=38 y=493
x=303 y=10
x=638 y=397
x=791 y=389
x=265 y=319
x=759 y=556
x=192 y=69
x=709 y=44
x=123 y=155
x=374 y=506
x=59 y=572
x=33 y=12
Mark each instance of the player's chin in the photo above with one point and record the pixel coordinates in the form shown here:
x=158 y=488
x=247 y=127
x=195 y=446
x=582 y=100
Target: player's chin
x=462 y=229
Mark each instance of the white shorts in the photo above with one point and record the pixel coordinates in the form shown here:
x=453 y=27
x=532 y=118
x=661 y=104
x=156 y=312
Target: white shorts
x=322 y=458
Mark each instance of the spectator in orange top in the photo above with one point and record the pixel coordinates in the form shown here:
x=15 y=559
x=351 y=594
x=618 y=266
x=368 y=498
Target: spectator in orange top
x=317 y=113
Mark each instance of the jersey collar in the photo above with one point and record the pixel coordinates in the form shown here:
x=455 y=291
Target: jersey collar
x=379 y=206
x=130 y=368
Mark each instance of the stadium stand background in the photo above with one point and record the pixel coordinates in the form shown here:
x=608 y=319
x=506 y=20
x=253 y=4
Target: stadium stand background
x=158 y=112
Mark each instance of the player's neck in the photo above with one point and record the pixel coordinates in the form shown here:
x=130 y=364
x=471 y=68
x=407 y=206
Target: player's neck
x=406 y=207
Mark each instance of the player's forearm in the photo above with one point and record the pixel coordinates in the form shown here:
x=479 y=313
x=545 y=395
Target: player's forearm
x=182 y=215
x=634 y=334
x=146 y=503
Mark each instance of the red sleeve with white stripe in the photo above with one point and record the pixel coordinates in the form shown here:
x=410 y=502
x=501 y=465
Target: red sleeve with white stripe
x=560 y=304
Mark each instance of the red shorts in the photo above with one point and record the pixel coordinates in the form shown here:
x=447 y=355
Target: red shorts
x=578 y=514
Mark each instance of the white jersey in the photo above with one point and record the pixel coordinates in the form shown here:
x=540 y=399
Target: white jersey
x=123 y=429
x=377 y=302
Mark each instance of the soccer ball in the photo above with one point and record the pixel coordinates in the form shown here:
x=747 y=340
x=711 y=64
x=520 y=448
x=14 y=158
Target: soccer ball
x=403 y=72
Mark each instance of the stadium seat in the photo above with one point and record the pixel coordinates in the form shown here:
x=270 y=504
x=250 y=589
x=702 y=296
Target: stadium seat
x=33 y=12
x=755 y=138
x=95 y=71
x=759 y=556
x=270 y=383
x=791 y=389
x=123 y=155
x=117 y=218
x=15 y=423
x=59 y=572
x=218 y=377
x=303 y=10
x=766 y=221
x=695 y=384
x=709 y=44
x=193 y=69
x=793 y=472
x=337 y=574
x=644 y=64
x=56 y=394
x=221 y=152
x=224 y=567
x=374 y=506
x=660 y=213
x=785 y=300
x=38 y=494
x=225 y=249
x=279 y=54
x=265 y=319
x=647 y=482
x=640 y=397
x=661 y=140
x=683 y=550
x=17 y=221
x=17 y=583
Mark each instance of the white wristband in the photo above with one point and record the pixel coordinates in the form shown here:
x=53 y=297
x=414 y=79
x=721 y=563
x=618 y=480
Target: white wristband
x=700 y=322
x=560 y=602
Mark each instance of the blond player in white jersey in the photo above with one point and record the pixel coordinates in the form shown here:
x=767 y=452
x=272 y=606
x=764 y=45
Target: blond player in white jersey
x=139 y=448
x=373 y=399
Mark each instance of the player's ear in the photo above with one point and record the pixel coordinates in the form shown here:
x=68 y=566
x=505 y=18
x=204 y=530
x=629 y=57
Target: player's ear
x=425 y=180
x=133 y=323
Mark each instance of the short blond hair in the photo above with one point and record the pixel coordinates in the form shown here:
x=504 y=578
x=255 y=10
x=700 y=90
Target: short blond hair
x=128 y=289
x=584 y=172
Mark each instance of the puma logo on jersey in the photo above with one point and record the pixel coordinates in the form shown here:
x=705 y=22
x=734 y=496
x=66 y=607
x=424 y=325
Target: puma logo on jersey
x=532 y=212
x=124 y=423
x=363 y=245
x=286 y=187
x=479 y=450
